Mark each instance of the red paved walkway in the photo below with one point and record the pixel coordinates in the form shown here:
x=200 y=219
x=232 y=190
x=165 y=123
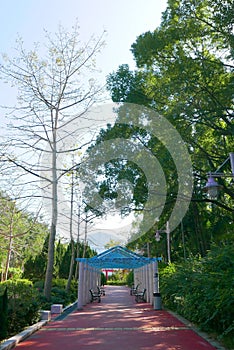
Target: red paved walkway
x=117 y=323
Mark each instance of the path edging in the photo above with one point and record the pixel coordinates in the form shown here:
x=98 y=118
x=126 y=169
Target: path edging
x=13 y=341
x=204 y=335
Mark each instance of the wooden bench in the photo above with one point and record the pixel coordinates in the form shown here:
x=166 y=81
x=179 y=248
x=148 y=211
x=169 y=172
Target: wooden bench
x=94 y=296
x=140 y=296
x=133 y=290
x=101 y=290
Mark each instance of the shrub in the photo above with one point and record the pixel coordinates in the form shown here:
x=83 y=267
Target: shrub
x=130 y=278
x=23 y=304
x=59 y=295
x=103 y=279
x=3 y=315
x=116 y=283
x=15 y=273
x=200 y=290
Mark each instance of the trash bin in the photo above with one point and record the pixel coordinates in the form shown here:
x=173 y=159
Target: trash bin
x=157 y=301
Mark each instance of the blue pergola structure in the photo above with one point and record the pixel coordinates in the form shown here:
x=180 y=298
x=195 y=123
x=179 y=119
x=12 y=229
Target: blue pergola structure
x=145 y=271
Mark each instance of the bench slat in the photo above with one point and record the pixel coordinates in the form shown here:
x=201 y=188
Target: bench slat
x=140 y=296
x=95 y=296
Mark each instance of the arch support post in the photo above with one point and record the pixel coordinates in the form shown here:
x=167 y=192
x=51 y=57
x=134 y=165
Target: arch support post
x=80 y=286
x=156 y=293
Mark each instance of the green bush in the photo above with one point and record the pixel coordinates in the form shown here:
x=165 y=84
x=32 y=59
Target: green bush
x=25 y=300
x=59 y=295
x=15 y=273
x=118 y=277
x=23 y=304
x=130 y=278
x=103 y=279
x=116 y=283
x=200 y=290
x=3 y=315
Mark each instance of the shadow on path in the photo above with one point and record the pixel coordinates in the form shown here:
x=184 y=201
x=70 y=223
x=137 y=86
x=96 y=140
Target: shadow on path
x=117 y=323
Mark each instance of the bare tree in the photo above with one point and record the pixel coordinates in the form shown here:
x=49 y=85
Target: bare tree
x=55 y=89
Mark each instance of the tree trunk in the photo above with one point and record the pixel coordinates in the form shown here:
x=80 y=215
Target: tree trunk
x=78 y=245
x=71 y=236
x=5 y=274
x=50 y=263
x=53 y=229
x=71 y=266
x=9 y=252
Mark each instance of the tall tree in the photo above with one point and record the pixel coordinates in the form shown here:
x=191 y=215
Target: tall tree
x=188 y=62
x=56 y=87
x=184 y=72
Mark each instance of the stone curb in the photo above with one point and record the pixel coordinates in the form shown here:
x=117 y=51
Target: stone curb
x=204 y=335
x=13 y=341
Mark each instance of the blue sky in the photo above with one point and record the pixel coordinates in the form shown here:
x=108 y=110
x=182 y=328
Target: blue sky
x=123 y=20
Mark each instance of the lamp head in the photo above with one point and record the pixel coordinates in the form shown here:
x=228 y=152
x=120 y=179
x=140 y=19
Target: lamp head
x=212 y=187
x=157 y=236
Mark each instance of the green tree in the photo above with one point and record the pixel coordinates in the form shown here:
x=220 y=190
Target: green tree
x=60 y=252
x=20 y=235
x=184 y=72
x=188 y=64
x=35 y=267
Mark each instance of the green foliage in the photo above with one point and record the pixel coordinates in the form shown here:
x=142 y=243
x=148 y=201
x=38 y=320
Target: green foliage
x=60 y=251
x=64 y=266
x=21 y=236
x=200 y=289
x=118 y=278
x=103 y=279
x=63 y=257
x=15 y=273
x=185 y=73
x=130 y=278
x=59 y=295
x=23 y=304
x=127 y=86
x=35 y=267
x=3 y=315
x=116 y=282
x=70 y=296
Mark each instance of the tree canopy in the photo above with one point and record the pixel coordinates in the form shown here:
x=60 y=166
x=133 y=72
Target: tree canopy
x=185 y=73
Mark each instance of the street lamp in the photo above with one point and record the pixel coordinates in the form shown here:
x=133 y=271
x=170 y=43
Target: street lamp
x=212 y=187
x=157 y=237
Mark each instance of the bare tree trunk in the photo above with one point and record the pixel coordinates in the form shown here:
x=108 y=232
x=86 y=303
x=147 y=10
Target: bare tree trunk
x=86 y=232
x=71 y=236
x=68 y=286
x=10 y=247
x=78 y=244
x=51 y=248
x=5 y=274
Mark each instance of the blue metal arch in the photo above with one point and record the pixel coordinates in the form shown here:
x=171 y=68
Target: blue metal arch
x=118 y=257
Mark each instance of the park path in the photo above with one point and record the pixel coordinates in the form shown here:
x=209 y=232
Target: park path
x=117 y=323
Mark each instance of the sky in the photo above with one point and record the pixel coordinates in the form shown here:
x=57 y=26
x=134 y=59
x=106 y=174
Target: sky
x=123 y=21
